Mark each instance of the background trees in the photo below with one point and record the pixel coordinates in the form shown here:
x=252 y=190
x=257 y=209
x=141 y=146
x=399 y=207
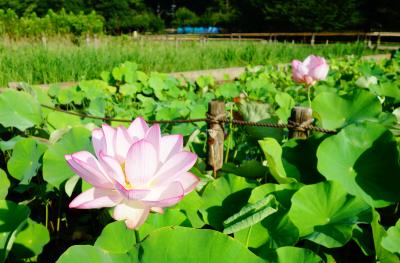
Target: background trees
x=123 y=16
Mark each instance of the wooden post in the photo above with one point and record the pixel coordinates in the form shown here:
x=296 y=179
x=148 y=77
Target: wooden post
x=378 y=40
x=312 y=40
x=44 y=40
x=87 y=40
x=215 y=135
x=303 y=117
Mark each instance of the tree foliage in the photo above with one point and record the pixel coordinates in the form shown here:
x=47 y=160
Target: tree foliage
x=122 y=16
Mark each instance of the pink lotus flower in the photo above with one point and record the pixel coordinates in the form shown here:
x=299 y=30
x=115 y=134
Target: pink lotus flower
x=136 y=170
x=312 y=69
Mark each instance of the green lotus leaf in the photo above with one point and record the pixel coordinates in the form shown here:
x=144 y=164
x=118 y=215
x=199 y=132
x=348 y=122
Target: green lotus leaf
x=108 y=241
x=282 y=171
x=170 y=217
x=86 y=253
x=194 y=245
x=391 y=242
x=335 y=111
x=292 y=255
x=326 y=214
x=364 y=159
x=30 y=241
x=190 y=206
x=379 y=233
x=19 y=109
x=224 y=197
x=58 y=120
x=26 y=159
x=13 y=218
x=55 y=168
x=4 y=184
x=251 y=214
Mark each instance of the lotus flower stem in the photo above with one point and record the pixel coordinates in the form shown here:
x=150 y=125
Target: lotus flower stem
x=230 y=136
x=308 y=87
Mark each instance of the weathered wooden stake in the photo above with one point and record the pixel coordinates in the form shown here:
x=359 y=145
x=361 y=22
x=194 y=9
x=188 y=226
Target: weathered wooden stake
x=215 y=135
x=312 y=40
x=300 y=116
x=378 y=41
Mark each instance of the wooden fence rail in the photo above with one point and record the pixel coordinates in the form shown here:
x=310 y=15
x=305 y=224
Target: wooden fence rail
x=372 y=39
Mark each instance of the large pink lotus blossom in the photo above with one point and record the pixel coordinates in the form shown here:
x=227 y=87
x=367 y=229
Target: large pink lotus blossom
x=311 y=70
x=136 y=170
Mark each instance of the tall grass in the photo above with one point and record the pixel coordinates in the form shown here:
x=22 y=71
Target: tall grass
x=61 y=60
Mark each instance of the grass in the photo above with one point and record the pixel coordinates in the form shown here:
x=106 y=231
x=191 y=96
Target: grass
x=62 y=60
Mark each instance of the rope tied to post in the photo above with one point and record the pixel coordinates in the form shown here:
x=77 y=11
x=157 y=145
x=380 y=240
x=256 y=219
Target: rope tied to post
x=220 y=118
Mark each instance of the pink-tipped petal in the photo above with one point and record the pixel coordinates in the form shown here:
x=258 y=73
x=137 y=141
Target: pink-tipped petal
x=89 y=169
x=109 y=136
x=177 y=164
x=96 y=198
x=122 y=143
x=142 y=163
x=134 y=213
x=188 y=181
x=320 y=72
x=132 y=194
x=153 y=135
x=298 y=71
x=138 y=128
x=113 y=168
x=308 y=62
x=98 y=141
x=170 y=145
x=164 y=196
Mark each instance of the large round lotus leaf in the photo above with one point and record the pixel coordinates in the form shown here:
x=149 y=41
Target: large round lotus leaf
x=30 y=240
x=86 y=253
x=326 y=214
x=26 y=159
x=12 y=218
x=108 y=241
x=391 y=242
x=19 y=109
x=193 y=245
x=4 y=184
x=335 y=111
x=364 y=159
x=224 y=197
x=292 y=255
x=55 y=168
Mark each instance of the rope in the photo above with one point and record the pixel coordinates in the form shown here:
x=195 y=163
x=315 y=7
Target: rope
x=210 y=119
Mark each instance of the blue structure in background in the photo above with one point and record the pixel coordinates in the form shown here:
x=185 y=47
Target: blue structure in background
x=198 y=30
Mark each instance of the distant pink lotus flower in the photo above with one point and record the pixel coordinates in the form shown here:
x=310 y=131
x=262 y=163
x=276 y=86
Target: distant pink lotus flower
x=311 y=70
x=136 y=170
